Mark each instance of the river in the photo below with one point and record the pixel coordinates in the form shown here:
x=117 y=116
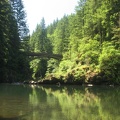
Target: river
x=30 y=102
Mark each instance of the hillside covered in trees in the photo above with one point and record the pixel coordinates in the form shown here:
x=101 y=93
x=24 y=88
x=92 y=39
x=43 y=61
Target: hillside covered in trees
x=88 y=40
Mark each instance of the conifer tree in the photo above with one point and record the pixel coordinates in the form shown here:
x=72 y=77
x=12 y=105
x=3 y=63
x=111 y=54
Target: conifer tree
x=9 y=43
x=40 y=43
x=20 y=15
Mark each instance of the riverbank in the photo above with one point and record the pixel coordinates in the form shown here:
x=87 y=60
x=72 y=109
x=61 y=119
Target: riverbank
x=70 y=80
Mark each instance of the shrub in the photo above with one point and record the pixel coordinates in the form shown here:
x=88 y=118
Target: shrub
x=109 y=62
x=90 y=51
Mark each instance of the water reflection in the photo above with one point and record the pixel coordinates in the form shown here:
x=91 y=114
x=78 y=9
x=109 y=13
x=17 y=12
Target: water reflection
x=56 y=103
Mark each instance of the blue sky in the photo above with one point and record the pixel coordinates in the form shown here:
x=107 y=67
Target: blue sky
x=49 y=9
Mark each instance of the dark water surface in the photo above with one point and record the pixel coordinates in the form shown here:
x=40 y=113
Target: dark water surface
x=23 y=102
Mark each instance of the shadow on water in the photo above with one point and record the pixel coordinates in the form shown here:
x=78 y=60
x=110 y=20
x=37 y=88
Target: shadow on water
x=21 y=117
x=14 y=118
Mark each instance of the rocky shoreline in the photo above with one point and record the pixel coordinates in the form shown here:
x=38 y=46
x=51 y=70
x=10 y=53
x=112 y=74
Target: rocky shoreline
x=58 y=82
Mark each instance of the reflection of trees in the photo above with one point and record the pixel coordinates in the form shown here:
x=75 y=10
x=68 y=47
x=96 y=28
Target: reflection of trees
x=44 y=105
x=109 y=103
x=60 y=103
x=78 y=105
x=33 y=99
x=88 y=103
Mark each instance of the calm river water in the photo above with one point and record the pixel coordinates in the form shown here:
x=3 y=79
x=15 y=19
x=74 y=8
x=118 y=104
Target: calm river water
x=23 y=102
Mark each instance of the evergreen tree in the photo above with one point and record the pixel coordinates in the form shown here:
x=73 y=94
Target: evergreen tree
x=51 y=28
x=40 y=43
x=61 y=35
x=12 y=67
x=20 y=15
x=4 y=9
x=9 y=43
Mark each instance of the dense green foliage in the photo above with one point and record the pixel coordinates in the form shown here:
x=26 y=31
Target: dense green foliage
x=39 y=43
x=89 y=41
x=13 y=65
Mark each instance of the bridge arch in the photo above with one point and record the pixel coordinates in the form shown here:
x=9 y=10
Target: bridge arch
x=47 y=55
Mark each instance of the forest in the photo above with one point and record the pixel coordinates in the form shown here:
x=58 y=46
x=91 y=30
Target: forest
x=88 y=41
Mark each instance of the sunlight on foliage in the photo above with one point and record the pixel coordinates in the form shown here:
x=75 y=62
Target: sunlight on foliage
x=109 y=61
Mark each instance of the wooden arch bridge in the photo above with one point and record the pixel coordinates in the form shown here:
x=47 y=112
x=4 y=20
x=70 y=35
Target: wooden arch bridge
x=45 y=55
